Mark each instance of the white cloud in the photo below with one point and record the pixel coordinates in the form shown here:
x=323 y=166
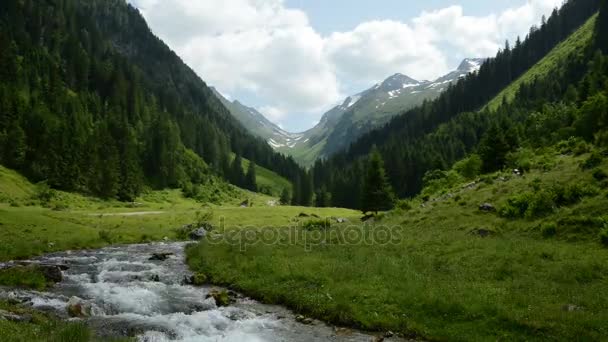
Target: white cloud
x=261 y=47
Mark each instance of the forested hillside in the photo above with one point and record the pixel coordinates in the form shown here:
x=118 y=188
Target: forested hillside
x=441 y=132
x=92 y=101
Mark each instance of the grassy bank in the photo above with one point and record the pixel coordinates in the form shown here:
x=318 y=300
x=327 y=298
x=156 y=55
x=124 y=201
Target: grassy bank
x=33 y=222
x=452 y=271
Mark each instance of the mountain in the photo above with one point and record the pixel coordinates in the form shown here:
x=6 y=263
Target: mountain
x=92 y=101
x=356 y=115
x=545 y=92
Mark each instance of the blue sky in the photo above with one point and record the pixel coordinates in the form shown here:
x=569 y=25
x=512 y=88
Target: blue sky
x=341 y=15
x=295 y=59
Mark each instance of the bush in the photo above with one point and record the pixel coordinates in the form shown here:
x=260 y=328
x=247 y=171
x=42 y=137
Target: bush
x=573 y=193
x=106 y=236
x=199 y=279
x=404 y=205
x=604 y=237
x=529 y=204
x=470 y=167
x=577 y=146
x=548 y=229
x=541 y=203
x=594 y=160
x=317 y=224
x=203 y=218
x=599 y=174
x=44 y=193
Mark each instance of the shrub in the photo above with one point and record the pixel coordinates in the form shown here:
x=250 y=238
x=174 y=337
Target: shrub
x=573 y=145
x=572 y=193
x=548 y=229
x=529 y=204
x=599 y=174
x=317 y=224
x=106 y=236
x=594 y=160
x=520 y=159
x=604 y=237
x=44 y=193
x=203 y=218
x=199 y=279
x=404 y=205
x=470 y=167
x=541 y=203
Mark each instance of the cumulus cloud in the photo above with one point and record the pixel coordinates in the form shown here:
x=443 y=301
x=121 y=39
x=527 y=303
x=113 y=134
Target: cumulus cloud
x=262 y=47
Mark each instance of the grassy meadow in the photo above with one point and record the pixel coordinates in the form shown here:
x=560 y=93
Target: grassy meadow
x=448 y=270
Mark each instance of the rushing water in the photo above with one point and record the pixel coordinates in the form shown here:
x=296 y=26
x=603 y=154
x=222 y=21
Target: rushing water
x=133 y=296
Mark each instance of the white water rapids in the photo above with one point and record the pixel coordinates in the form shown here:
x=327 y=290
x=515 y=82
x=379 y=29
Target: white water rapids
x=133 y=296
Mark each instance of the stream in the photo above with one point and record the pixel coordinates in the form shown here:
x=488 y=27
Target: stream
x=129 y=295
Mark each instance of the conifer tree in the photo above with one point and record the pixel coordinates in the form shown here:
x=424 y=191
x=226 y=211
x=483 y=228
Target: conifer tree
x=601 y=29
x=377 y=192
x=285 y=197
x=250 y=179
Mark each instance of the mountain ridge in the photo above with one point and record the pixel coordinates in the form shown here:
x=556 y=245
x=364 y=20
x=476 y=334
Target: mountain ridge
x=354 y=116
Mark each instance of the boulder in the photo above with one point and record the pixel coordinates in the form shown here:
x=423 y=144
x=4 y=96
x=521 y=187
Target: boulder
x=341 y=220
x=51 y=273
x=303 y=320
x=9 y=316
x=77 y=307
x=572 y=308
x=198 y=234
x=221 y=297
x=487 y=207
x=367 y=217
x=160 y=256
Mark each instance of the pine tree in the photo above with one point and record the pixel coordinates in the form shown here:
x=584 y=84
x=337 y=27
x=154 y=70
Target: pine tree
x=250 y=178
x=377 y=192
x=493 y=149
x=237 y=177
x=601 y=29
x=285 y=197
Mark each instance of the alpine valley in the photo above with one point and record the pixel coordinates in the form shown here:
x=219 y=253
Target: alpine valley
x=353 y=117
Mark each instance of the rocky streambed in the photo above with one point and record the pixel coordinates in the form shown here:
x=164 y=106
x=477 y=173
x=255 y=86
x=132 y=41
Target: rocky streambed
x=143 y=291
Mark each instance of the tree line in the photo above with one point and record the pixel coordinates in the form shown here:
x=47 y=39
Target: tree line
x=92 y=101
x=443 y=131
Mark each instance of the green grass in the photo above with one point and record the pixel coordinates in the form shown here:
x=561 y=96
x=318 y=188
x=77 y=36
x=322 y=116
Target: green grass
x=440 y=279
x=269 y=180
x=575 y=44
x=23 y=277
x=71 y=221
x=43 y=327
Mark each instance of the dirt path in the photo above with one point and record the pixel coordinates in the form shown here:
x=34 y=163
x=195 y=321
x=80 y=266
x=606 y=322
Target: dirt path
x=135 y=213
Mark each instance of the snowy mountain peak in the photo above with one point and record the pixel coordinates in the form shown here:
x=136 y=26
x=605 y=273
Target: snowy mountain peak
x=398 y=81
x=470 y=64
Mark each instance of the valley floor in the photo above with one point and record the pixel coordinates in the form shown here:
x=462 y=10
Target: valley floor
x=439 y=269
x=442 y=269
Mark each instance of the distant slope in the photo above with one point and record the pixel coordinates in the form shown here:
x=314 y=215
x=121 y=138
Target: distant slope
x=445 y=130
x=268 y=182
x=255 y=122
x=576 y=42
x=356 y=115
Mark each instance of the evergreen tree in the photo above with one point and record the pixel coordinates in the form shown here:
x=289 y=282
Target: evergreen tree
x=601 y=29
x=237 y=176
x=250 y=179
x=377 y=192
x=285 y=197
x=493 y=149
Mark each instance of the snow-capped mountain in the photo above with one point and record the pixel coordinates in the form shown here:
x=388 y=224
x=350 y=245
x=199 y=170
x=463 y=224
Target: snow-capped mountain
x=355 y=116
